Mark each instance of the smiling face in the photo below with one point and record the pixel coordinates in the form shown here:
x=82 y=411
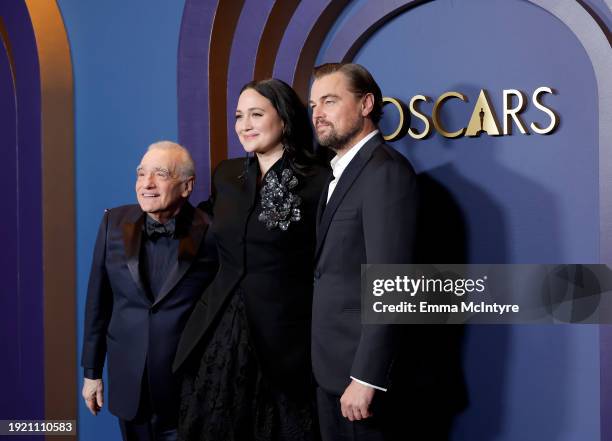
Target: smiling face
x=338 y=115
x=258 y=125
x=160 y=189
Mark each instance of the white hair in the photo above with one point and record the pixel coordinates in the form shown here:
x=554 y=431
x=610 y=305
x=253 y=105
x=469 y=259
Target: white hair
x=186 y=166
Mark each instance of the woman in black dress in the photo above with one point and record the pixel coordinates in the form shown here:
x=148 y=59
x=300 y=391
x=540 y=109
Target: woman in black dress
x=245 y=351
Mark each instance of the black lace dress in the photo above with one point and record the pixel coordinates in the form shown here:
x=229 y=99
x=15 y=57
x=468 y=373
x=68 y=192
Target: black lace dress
x=249 y=377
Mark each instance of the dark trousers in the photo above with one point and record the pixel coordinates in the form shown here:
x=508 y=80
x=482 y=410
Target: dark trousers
x=147 y=425
x=150 y=430
x=392 y=420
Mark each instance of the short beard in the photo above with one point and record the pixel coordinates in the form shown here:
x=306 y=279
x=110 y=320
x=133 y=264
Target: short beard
x=335 y=141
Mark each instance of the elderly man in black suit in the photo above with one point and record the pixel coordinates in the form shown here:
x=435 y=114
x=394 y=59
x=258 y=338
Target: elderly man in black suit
x=369 y=377
x=151 y=263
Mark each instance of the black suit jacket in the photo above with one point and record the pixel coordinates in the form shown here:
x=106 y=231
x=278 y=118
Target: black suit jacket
x=272 y=267
x=121 y=320
x=370 y=218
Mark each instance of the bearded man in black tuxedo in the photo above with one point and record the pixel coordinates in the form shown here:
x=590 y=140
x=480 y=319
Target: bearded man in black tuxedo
x=374 y=381
x=151 y=263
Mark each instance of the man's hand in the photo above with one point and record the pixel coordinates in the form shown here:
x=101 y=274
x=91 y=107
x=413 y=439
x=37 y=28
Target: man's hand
x=93 y=394
x=355 y=401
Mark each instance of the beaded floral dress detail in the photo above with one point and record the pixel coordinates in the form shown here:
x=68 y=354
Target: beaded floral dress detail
x=280 y=206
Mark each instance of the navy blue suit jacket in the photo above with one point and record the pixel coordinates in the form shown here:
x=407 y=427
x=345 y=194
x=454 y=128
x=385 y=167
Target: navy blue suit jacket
x=370 y=218
x=123 y=323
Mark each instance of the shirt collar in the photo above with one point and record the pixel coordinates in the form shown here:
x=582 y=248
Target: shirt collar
x=338 y=164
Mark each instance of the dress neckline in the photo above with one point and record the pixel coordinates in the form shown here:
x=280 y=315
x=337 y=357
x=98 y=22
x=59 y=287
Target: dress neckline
x=277 y=167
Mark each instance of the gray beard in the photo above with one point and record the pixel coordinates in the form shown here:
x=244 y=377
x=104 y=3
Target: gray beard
x=336 y=142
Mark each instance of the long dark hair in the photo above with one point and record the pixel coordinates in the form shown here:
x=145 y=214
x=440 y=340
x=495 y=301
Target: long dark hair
x=297 y=135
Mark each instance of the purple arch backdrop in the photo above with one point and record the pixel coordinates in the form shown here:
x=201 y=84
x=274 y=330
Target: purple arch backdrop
x=37 y=262
x=306 y=29
x=21 y=311
x=243 y=54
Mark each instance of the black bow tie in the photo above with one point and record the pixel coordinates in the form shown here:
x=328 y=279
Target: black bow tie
x=156 y=230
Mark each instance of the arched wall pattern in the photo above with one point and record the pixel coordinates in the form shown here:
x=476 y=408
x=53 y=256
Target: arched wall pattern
x=204 y=83
x=595 y=40
x=297 y=62
x=38 y=307
x=288 y=40
x=9 y=232
x=249 y=31
x=293 y=32
x=258 y=35
x=371 y=17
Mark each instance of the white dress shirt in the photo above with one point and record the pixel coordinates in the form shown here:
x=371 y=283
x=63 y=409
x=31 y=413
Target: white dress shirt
x=338 y=164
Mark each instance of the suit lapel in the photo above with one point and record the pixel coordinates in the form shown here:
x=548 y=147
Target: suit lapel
x=349 y=175
x=187 y=251
x=132 y=239
x=323 y=200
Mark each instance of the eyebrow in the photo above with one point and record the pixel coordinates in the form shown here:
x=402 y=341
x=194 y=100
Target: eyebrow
x=162 y=169
x=251 y=109
x=324 y=97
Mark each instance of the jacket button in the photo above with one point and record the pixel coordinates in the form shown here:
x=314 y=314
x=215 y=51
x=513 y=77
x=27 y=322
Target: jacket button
x=317 y=275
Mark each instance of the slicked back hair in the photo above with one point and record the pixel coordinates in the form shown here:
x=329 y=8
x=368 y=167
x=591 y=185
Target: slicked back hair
x=360 y=83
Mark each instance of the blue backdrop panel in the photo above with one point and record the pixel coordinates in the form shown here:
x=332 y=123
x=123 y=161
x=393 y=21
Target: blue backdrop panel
x=124 y=57
x=515 y=199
